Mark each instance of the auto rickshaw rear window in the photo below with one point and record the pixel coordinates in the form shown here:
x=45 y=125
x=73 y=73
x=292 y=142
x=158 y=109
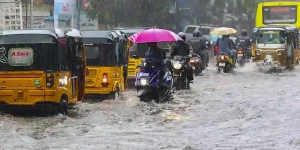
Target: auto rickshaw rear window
x=29 y=52
x=139 y=50
x=26 y=38
x=101 y=55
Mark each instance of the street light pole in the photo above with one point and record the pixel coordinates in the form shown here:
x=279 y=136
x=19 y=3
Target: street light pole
x=79 y=3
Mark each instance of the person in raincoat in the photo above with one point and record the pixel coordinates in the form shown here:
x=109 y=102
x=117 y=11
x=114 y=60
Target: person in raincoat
x=157 y=56
x=227 y=46
x=182 y=48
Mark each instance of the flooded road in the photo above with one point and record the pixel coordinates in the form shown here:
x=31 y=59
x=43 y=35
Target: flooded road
x=242 y=110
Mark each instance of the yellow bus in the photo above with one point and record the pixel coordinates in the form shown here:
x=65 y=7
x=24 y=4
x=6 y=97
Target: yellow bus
x=283 y=13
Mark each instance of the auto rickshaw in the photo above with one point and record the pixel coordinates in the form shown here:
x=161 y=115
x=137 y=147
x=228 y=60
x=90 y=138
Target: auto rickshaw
x=106 y=62
x=41 y=68
x=277 y=45
x=134 y=49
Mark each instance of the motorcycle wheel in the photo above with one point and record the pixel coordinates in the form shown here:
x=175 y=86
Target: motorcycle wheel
x=145 y=98
x=241 y=63
x=197 y=71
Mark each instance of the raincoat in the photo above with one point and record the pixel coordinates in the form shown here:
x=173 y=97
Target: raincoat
x=157 y=56
x=226 y=46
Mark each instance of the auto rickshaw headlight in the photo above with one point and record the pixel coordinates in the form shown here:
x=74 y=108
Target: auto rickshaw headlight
x=258 y=52
x=280 y=51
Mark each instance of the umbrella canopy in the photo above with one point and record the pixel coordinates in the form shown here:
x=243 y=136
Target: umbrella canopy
x=154 y=35
x=223 y=31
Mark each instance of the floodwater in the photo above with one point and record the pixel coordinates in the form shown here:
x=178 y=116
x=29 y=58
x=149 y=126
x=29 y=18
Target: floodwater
x=241 y=110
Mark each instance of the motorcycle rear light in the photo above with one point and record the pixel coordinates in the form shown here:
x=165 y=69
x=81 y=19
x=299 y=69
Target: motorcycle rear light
x=240 y=51
x=217 y=48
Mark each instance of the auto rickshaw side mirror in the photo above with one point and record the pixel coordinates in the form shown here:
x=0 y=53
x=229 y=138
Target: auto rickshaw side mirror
x=135 y=57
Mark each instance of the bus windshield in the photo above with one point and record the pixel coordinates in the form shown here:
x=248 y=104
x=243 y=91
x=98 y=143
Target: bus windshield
x=279 y=14
x=270 y=37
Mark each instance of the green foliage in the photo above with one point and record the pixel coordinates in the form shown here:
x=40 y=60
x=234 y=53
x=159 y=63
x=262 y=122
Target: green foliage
x=129 y=12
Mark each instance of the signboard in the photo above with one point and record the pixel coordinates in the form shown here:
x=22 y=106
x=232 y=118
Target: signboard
x=20 y=56
x=85 y=24
x=279 y=14
x=85 y=5
x=64 y=7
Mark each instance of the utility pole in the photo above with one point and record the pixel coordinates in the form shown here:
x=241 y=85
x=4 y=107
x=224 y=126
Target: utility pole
x=79 y=5
x=26 y=12
x=31 y=14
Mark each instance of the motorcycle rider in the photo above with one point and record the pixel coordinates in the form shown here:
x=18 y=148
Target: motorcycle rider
x=199 y=45
x=182 y=48
x=157 y=56
x=244 y=42
x=226 y=45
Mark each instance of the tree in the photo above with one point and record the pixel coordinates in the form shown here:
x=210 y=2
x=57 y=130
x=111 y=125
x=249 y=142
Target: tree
x=248 y=8
x=129 y=12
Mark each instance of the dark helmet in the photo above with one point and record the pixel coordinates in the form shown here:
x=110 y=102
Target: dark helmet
x=196 y=33
x=244 y=32
x=182 y=36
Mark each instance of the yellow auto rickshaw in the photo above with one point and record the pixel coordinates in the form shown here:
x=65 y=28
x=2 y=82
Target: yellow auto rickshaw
x=277 y=45
x=41 y=68
x=134 y=49
x=106 y=62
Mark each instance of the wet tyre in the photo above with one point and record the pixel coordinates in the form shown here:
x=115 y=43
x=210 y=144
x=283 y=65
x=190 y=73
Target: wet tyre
x=145 y=98
x=114 y=95
x=197 y=71
x=63 y=107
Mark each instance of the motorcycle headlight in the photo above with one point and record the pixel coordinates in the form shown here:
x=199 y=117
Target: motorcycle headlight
x=143 y=81
x=177 y=66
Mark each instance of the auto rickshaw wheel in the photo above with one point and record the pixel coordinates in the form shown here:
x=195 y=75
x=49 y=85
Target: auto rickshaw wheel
x=114 y=95
x=63 y=107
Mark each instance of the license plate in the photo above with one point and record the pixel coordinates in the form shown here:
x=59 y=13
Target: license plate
x=240 y=54
x=89 y=82
x=222 y=64
x=144 y=74
x=20 y=96
x=194 y=68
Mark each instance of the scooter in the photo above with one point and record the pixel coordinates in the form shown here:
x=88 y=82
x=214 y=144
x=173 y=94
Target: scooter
x=148 y=83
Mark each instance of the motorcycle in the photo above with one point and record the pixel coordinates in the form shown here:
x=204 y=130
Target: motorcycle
x=179 y=65
x=196 y=63
x=148 y=83
x=224 y=63
x=243 y=56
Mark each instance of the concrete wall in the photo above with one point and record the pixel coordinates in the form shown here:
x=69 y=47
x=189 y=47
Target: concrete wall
x=50 y=25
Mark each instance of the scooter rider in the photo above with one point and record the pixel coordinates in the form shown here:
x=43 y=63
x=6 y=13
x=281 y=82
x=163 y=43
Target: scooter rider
x=227 y=46
x=182 y=48
x=244 y=42
x=199 y=44
x=157 y=56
